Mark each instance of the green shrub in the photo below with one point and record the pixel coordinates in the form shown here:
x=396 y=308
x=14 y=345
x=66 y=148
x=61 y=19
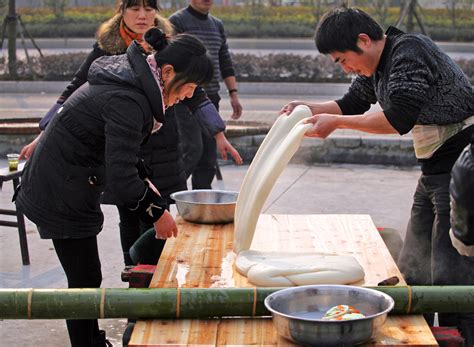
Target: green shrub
x=286 y=68
x=245 y=21
x=249 y=68
x=60 y=30
x=449 y=34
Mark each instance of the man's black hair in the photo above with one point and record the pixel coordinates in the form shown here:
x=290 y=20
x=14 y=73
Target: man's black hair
x=339 y=29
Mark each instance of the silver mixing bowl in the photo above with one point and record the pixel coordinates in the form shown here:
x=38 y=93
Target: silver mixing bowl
x=297 y=314
x=206 y=206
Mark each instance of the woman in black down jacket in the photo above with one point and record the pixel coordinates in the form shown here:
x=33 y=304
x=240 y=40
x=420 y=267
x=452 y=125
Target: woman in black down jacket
x=89 y=151
x=161 y=152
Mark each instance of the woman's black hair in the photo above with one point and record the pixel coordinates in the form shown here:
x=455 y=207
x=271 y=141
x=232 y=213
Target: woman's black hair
x=124 y=4
x=156 y=38
x=339 y=30
x=186 y=53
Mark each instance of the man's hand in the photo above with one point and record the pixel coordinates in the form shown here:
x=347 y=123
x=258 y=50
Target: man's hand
x=330 y=107
x=165 y=227
x=224 y=146
x=236 y=106
x=323 y=125
x=289 y=107
x=27 y=151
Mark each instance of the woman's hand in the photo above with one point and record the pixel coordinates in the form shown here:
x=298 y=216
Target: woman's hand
x=165 y=227
x=27 y=151
x=224 y=146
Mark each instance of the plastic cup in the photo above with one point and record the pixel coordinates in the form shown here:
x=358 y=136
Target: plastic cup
x=13 y=161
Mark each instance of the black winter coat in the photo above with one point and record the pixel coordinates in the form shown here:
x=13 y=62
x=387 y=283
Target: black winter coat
x=91 y=146
x=161 y=152
x=461 y=190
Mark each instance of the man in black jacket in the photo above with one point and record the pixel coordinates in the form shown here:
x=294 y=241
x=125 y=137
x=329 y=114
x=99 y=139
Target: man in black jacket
x=420 y=89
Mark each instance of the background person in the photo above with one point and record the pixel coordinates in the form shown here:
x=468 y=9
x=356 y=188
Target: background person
x=132 y=19
x=461 y=190
x=420 y=89
x=88 y=154
x=199 y=146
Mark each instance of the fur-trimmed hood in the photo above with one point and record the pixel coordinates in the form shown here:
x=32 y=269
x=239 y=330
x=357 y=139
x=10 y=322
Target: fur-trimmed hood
x=110 y=41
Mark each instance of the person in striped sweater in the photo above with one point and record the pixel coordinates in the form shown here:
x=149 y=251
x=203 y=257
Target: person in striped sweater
x=199 y=146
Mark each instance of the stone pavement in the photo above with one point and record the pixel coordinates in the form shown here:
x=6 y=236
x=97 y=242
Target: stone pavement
x=383 y=192
x=261 y=103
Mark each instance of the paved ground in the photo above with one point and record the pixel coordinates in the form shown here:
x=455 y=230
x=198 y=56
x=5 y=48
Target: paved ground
x=382 y=192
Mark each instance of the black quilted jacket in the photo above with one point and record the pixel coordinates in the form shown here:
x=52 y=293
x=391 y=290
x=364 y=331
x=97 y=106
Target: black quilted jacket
x=89 y=151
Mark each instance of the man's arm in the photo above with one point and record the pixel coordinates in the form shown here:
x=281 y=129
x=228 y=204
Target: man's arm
x=330 y=107
x=226 y=67
x=373 y=122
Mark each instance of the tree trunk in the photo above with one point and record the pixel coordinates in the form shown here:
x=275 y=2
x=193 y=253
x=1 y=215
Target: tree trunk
x=12 y=22
x=411 y=15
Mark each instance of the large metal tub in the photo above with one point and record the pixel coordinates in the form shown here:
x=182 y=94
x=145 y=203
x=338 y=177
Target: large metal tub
x=297 y=314
x=206 y=206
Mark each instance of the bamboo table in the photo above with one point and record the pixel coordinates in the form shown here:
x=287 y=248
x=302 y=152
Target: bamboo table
x=201 y=257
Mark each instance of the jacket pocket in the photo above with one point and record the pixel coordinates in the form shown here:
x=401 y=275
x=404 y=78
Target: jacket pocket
x=81 y=191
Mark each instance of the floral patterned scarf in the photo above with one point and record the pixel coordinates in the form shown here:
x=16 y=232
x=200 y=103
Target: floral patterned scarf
x=156 y=72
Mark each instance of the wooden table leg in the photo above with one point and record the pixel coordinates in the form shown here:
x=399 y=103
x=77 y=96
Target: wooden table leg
x=25 y=256
x=218 y=172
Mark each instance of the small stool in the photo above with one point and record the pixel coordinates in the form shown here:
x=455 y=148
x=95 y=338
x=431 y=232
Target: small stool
x=138 y=276
x=447 y=336
x=5 y=176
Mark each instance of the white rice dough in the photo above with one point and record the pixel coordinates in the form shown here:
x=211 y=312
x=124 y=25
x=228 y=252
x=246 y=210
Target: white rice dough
x=275 y=152
x=276 y=268
x=283 y=269
x=275 y=136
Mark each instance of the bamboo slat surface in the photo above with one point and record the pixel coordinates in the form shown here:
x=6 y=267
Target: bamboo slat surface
x=201 y=256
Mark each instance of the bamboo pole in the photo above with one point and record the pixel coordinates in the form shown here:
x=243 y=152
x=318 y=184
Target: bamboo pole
x=172 y=303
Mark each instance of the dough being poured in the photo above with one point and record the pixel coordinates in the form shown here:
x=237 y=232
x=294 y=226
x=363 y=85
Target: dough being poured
x=275 y=152
x=275 y=268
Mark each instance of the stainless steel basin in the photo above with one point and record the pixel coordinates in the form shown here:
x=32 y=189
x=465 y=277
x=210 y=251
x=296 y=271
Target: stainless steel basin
x=206 y=206
x=297 y=313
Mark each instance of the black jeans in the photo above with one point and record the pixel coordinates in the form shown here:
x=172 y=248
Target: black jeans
x=131 y=228
x=198 y=146
x=80 y=261
x=427 y=256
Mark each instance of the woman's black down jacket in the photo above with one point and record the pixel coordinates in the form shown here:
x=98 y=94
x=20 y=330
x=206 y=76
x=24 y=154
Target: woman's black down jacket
x=89 y=151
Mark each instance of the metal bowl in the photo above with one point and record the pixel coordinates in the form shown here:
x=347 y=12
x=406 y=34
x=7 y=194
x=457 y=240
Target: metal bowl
x=297 y=314
x=206 y=206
